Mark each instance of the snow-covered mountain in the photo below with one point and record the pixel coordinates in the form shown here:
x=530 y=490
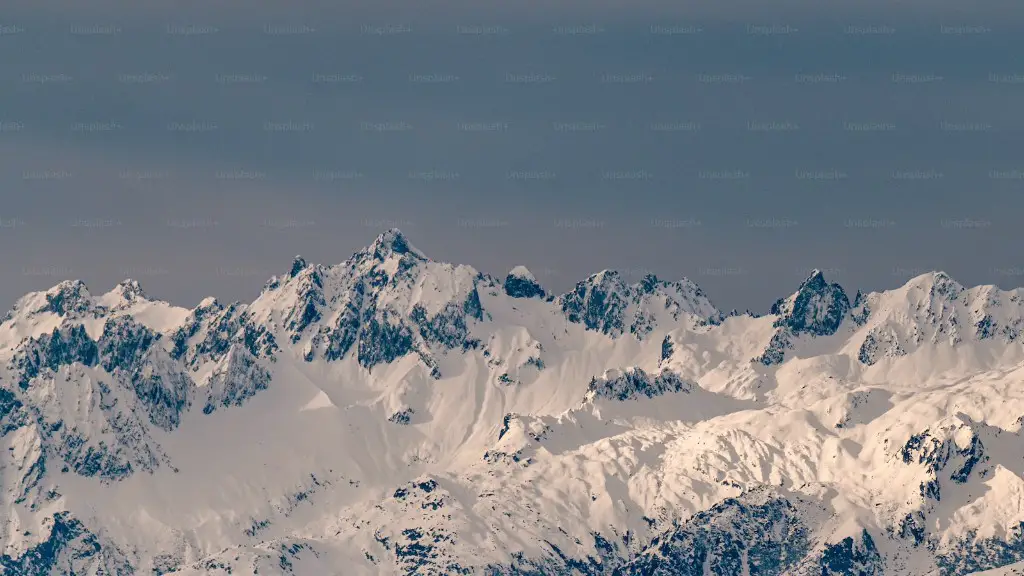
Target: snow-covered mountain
x=396 y=415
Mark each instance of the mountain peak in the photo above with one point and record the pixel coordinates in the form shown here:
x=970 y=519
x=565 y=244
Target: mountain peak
x=523 y=273
x=391 y=242
x=68 y=296
x=817 y=307
x=520 y=283
x=936 y=283
x=130 y=290
x=298 y=265
x=814 y=281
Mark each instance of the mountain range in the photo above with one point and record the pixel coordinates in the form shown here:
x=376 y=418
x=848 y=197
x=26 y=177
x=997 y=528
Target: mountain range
x=393 y=414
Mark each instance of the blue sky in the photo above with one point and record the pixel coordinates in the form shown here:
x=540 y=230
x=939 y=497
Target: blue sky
x=198 y=149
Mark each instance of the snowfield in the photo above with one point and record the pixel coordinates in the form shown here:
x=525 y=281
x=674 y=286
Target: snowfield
x=396 y=415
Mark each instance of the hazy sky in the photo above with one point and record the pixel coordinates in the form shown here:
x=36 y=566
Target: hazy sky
x=198 y=149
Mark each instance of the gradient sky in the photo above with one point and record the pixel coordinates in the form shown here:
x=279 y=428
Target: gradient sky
x=198 y=149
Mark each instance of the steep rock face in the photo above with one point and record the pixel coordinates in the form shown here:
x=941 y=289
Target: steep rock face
x=634 y=383
x=69 y=548
x=49 y=352
x=387 y=301
x=68 y=298
x=238 y=378
x=817 y=308
x=951 y=450
x=975 y=554
x=128 y=353
x=211 y=329
x=605 y=303
x=757 y=533
x=852 y=558
x=520 y=283
x=91 y=424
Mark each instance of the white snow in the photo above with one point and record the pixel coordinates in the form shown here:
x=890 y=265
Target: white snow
x=822 y=424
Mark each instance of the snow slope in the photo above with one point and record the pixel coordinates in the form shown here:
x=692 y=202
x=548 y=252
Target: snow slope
x=396 y=415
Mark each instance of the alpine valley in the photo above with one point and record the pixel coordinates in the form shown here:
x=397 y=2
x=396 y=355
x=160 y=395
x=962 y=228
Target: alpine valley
x=396 y=415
